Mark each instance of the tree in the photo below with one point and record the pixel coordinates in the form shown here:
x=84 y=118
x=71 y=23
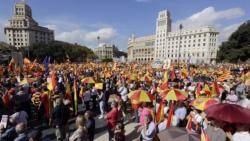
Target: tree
x=237 y=48
x=59 y=52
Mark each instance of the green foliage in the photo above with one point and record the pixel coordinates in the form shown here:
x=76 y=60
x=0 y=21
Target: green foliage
x=237 y=48
x=59 y=51
x=107 y=60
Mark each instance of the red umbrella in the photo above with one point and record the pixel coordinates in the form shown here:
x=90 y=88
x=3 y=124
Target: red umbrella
x=229 y=113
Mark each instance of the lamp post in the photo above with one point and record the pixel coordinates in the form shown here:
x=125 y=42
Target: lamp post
x=180 y=27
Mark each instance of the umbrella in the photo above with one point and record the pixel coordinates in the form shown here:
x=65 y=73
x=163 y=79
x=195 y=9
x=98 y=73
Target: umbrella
x=140 y=96
x=203 y=103
x=173 y=94
x=177 y=134
x=164 y=86
x=229 y=113
x=88 y=80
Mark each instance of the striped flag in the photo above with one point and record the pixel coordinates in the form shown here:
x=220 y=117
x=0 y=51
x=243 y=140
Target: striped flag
x=198 y=89
x=160 y=113
x=170 y=114
x=204 y=136
x=75 y=97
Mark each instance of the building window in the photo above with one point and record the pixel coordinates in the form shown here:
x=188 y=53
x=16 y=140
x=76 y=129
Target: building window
x=204 y=44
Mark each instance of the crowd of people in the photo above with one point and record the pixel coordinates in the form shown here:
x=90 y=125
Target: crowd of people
x=39 y=96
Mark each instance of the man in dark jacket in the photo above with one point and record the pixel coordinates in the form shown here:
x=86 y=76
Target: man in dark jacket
x=60 y=118
x=90 y=125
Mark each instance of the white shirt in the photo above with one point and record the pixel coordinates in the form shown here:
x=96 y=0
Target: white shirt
x=180 y=113
x=162 y=126
x=244 y=103
x=231 y=98
x=123 y=92
x=241 y=136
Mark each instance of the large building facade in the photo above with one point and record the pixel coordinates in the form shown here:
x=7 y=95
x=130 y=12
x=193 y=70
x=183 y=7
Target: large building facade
x=23 y=30
x=104 y=51
x=198 y=45
x=141 y=49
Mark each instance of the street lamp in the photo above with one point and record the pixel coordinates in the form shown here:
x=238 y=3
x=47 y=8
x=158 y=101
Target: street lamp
x=98 y=42
x=180 y=27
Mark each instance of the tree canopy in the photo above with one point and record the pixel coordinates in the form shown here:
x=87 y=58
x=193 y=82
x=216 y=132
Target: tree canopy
x=59 y=52
x=237 y=48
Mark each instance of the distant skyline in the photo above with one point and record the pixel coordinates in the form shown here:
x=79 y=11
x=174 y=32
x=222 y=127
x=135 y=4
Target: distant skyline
x=81 y=21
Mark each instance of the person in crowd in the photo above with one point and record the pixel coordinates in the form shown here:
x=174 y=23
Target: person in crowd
x=94 y=94
x=144 y=111
x=180 y=114
x=119 y=132
x=223 y=96
x=123 y=91
x=242 y=133
x=36 y=135
x=90 y=125
x=59 y=119
x=244 y=102
x=240 y=89
x=194 y=122
x=148 y=132
x=20 y=115
x=81 y=134
x=87 y=99
x=112 y=117
x=1 y=131
x=21 y=132
x=10 y=132
x=232 y=98
x=214 y=132
x=102 y=103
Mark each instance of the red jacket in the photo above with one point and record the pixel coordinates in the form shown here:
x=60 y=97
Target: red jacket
x=112 y=117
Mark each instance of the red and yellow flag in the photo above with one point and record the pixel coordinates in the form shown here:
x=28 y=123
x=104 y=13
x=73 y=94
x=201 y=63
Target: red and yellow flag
x=160 y=113
x=204 y=136
x=75 y=97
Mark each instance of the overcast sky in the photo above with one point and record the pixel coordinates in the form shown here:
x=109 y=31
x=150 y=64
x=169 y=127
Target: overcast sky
x=81 y=21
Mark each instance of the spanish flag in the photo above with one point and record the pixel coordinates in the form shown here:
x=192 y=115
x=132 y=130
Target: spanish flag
x=75 y=97
x=99 y=86
x=215 y=89
x=198 y=89
x=68 y=92
x=166 y=76
x=204 y=136
x=170 y=114
x=160 y=113
x=207 y=90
